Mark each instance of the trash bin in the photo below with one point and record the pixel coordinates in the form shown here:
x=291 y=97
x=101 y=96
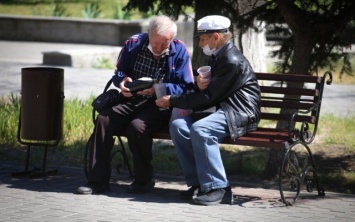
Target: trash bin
x=42 y=93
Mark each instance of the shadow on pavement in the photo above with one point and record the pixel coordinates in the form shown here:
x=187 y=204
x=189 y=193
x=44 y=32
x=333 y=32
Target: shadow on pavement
x=68 y=179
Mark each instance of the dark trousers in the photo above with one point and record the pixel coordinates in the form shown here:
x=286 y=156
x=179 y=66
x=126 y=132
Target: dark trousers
x=138 y=117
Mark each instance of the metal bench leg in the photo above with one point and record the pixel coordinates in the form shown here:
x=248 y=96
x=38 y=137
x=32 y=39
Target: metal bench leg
x=119 y=167
x=310 y=182
x=297 y=171
x=125 y=158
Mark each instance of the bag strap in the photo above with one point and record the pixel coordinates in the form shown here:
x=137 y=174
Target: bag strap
x=108 y=84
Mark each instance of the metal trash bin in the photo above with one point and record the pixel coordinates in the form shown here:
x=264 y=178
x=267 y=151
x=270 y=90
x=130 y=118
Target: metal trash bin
x=42 y=90
x=41 y=113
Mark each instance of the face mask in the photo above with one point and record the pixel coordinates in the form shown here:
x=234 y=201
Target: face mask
x=207 y=50
x=163 y=52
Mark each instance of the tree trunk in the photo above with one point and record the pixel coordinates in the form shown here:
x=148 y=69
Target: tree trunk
x=254 y=49
x=304 y=43
x=201 y=10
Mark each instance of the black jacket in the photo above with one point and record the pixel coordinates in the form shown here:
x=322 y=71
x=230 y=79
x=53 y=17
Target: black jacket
x=233 y=88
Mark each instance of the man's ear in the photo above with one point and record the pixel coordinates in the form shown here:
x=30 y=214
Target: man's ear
x=216 y=36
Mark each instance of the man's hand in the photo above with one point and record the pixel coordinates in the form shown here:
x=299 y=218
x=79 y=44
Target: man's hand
x=163 y=102
x=202 y=82
x=124 y=90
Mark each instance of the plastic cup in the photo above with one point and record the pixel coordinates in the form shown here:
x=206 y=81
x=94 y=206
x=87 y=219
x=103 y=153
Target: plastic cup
x=205 y=71
x=160 y=89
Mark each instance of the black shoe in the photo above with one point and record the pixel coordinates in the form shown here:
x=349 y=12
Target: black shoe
x=93 y=188
x=190 y=193
x=211 y=197
x=140 y=187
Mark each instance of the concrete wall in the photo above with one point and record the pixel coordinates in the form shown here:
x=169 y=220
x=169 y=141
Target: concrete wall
x=108 y=32
x=87 y=31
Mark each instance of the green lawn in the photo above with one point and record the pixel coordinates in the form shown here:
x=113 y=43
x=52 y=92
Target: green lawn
x=73 y=8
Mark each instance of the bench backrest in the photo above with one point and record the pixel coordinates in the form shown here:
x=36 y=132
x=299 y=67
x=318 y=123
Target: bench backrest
x=299 y=104
x=275 y=96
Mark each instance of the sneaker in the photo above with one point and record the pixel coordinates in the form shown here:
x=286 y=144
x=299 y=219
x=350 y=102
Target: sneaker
x=92 y=188
x=190 y=193
x=140 y=187
x=211 y=197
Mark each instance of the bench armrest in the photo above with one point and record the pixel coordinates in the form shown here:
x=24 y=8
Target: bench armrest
x=303 y=134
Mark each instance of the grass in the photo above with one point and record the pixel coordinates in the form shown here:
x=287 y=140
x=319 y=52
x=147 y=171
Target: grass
x=107 y=9
x=338 y=130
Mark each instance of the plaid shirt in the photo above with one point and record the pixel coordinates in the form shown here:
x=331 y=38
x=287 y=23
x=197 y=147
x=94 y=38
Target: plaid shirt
x=135 y=60
x=147 y=66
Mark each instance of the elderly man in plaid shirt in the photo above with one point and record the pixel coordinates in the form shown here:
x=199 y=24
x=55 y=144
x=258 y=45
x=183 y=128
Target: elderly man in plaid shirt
x=156 y=54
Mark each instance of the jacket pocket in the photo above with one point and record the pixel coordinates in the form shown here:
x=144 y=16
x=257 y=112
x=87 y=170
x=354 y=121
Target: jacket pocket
x=241 y=119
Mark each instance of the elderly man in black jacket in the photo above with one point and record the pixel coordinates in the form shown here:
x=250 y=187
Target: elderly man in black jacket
x=233 y=90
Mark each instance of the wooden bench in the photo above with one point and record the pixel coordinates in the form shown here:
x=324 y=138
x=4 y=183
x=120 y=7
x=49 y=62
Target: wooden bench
x=302 y=109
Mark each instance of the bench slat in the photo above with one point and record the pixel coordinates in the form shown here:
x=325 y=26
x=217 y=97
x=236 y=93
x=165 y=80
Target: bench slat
x=264 y=133
x=289 y=91
x=263 y=137
x=162 y=134
x=288 y=77
x=286 y=117
x=257 y=142
x=287 y=105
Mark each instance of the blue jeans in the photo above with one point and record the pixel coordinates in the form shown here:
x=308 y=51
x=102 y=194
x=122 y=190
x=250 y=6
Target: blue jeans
x=197 y=147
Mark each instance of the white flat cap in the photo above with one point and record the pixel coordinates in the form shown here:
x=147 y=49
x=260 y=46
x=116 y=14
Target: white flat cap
x=213 y=23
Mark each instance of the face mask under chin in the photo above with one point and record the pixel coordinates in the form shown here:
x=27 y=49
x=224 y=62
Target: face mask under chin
x=163 y=52
x=207 y=50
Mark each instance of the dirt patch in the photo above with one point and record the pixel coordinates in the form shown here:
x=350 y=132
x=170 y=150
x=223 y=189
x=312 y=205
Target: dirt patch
x=333 y=162
x=333 y=158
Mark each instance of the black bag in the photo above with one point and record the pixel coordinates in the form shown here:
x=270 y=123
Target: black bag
x=106 y=100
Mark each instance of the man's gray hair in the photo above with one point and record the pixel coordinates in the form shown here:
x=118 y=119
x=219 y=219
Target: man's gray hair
x=162 y=25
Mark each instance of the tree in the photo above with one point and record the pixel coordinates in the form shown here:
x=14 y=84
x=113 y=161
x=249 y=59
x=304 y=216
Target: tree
x=315 y=33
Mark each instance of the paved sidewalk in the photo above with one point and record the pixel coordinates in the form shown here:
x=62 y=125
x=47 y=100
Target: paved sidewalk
x=79 y=83
x=54 y=199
